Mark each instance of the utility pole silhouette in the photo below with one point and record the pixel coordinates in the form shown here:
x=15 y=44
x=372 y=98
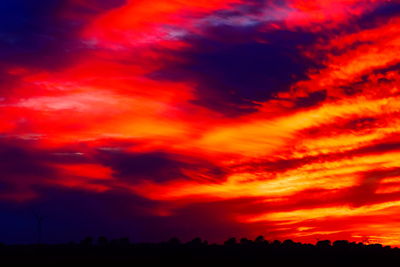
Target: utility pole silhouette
x=39 y=227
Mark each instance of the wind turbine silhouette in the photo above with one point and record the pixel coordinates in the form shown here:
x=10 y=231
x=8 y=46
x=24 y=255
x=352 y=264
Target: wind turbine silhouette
x=39 y=227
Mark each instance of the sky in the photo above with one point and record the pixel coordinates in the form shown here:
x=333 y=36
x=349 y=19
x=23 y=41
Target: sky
x=210 y=118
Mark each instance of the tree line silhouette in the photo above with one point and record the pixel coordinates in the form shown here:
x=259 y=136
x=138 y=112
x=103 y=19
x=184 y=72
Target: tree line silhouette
x=198 y=252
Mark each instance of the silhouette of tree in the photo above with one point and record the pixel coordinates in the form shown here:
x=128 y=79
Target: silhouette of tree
x=102 y=241
x=88 y=241
x=276 y=243
x=195 y=241
x=174 y=241
x=230 y=242
x=341 y=244
x=196 y=253
x=288 y=243
x=323 y=244
x=245 y=241
x=259 y=239
x=124 y=241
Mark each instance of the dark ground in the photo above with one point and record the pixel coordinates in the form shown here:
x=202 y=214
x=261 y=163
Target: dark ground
x=259 y=252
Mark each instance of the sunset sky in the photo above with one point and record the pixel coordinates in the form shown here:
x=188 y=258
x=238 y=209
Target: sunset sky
x=211 y=118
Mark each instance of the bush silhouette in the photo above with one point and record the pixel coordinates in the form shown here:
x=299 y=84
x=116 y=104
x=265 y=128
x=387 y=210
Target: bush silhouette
x=198 y=252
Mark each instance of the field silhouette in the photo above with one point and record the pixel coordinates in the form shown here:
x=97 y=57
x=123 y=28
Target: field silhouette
x=233 y=252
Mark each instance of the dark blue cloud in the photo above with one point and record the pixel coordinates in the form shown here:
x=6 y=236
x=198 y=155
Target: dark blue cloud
x=17 y=161
x=39 y=35
x=248 y=7
x=23 y=166
x=156 y=166
x=384 y=11
x=236 y=66
x=312 y=99
x=71 y=215
x=134 y=167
